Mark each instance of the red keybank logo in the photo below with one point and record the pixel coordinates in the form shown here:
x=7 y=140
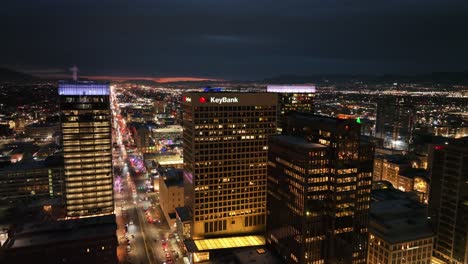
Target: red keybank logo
x=202 y=100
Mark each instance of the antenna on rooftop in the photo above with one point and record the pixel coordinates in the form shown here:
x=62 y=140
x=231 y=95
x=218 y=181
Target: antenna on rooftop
x=74 y=70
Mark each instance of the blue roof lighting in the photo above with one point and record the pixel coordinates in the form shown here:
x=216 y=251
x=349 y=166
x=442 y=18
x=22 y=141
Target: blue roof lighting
x=83 y=88
x=213 y=89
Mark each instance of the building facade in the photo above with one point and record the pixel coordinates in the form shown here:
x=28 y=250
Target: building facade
x=159 y=107
x=448 y=200
x=415 y=180
x=319 y=185
x=299 y=98
x=87 y=148
x=30 y=178
x=171 y=193
x=42 y=131
x=225 y=156
x=387 y=167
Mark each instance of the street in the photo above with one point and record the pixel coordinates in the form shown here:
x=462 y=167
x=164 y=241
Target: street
x=143 y=233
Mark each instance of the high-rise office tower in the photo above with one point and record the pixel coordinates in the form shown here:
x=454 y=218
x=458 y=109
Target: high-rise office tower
x=86 y=131
x=395 y=122
x=299 y=98
x=448 y=201
x=319 y=184
x=225 y=157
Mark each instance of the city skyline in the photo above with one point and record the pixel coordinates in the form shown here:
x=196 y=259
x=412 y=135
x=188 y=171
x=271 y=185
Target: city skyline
x=234 y=131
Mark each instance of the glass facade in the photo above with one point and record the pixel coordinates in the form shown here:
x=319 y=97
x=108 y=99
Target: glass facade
x=319 y=183
x=86 y=131
x=17 y=182
x=395 y=122
x=299 y=98
x=225 y=156
x=448 y=200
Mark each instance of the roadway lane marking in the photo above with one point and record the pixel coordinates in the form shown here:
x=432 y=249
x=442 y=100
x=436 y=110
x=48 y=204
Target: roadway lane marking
x=143 y=235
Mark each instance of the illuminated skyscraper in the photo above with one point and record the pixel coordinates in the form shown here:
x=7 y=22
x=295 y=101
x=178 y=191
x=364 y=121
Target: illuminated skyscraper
x=225 y=157
x=319 y=184
x=395 y=122
x=86 y=131
x=448 y=201
x=299 y=98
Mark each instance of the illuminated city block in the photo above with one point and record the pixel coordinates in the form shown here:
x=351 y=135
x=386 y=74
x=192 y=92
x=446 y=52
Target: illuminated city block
x=86 y=130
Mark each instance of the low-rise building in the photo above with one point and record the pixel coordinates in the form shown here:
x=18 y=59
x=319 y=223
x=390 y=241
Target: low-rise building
x=387 y=167
x=171 y=193
x=166 y=160
x=85 y=240
x=159 y=107
x=415 y=180
x=42 y=131
x=183 y=215
x=399 y=231
x=30 y=178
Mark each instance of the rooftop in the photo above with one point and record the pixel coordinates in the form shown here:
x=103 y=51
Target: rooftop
x=256 y=255
x=413 y=172
x=184 y=213
x=395 y=158
x=272 y=88
x=29 y=164
x=224 y=243
x=83 y=88
x=35 y=234
x=23 y=165
x=296 y=141
x=169 y=129
x=44 y=125
x=390 y=193
x=399 y=220
x=173 y=177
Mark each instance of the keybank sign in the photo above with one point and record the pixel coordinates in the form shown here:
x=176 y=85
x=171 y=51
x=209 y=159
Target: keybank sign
x=224 y=100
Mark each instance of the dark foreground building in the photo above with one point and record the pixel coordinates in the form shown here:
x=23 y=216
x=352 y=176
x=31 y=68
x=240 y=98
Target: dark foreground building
x=319 y=183
x=87 y=240
x=32 y=179
x=448 y=201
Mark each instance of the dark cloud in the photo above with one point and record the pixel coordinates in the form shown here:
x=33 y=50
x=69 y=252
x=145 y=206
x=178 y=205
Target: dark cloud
x=236 y=38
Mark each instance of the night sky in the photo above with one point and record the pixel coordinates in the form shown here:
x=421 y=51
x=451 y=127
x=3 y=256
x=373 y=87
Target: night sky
x=235 y=39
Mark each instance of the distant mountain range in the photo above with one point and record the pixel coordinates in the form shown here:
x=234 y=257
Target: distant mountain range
x=11 y=75
x=435 y=77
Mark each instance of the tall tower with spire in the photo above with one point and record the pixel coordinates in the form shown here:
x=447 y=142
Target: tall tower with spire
x=87 y=147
